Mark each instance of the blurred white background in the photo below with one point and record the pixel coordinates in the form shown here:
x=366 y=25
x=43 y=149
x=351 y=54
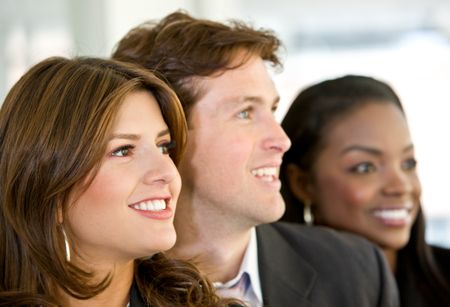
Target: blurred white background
x=403 y=42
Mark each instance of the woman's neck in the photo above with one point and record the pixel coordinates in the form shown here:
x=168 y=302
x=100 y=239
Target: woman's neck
x=391 y=257
x=116 y=294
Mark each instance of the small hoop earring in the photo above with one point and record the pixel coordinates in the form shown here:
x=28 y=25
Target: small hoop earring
x=307 y=213
x=66 y=244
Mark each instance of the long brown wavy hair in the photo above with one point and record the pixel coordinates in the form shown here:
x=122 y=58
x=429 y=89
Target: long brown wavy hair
x=54 y=128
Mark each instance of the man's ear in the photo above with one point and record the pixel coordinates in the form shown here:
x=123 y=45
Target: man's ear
x=299 y=182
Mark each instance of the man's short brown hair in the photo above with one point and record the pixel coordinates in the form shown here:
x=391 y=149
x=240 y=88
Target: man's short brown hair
x=180 y=47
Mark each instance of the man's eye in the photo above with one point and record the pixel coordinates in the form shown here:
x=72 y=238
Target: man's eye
x=122 y=151
x=363 y=168
x=166 y=147
x=245 y=114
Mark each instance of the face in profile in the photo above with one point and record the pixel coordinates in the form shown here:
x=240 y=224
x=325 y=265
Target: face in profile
x=127 y=211
x=364 y=179
x=235 y=146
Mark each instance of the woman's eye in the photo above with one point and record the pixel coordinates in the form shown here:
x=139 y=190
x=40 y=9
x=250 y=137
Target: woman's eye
x=363 y=168
x=245 y=114
x=409 y=164
x=166 y=147
x=122 y=151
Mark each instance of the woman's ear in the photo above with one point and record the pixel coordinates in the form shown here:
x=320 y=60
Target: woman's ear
x=299 y=182
x=60 y=215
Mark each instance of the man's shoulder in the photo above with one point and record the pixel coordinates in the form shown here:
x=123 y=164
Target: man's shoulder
x=334 y=267
x=317 y=237
x=321 y=247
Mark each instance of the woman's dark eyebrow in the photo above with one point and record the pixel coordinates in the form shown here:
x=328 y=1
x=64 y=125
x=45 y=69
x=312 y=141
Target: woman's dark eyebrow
x=135 y=137
x=366 y=149
x=371 y=150
x=126 y=136
x=164 y=132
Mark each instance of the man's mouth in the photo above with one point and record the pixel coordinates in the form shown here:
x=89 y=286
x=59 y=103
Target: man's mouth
x=266 y=173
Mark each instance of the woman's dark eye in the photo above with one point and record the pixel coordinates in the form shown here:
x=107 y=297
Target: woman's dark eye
x=363 y=168
x=122 y=151
x=166 y=147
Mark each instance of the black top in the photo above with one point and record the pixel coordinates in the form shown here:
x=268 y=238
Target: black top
x=136 y=298
x=413 y=291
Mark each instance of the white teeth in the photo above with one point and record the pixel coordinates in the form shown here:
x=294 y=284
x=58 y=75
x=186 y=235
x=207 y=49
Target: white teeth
x=265 y=171
x=392 y=214
x=151 y=205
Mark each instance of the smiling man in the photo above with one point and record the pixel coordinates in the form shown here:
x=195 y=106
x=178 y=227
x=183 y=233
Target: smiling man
x=230 y=192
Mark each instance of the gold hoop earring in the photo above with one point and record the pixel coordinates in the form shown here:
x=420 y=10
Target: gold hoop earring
x=66 y=244
x=307 y=213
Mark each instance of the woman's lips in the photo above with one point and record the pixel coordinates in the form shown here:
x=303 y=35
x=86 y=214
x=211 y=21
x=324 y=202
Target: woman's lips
x=155 y=208
x=395 y=216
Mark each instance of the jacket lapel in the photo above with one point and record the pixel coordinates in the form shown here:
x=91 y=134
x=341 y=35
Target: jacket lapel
x=285 y=276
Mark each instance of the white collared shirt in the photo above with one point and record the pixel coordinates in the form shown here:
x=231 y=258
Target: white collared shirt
x=250 y=266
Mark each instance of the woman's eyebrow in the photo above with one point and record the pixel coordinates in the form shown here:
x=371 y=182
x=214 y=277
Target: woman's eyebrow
x=126 y=136
x=164 y=132
x=369 y=150
x=135 y=137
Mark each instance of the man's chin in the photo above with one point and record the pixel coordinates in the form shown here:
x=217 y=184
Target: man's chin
x=275 y=213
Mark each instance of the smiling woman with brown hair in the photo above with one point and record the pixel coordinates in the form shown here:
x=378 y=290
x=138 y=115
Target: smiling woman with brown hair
x=88 y=189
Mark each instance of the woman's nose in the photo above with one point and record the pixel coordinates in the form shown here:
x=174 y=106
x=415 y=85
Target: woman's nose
x=159 y=169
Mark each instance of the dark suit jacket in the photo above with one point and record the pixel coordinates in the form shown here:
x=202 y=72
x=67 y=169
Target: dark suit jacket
x=316 y=266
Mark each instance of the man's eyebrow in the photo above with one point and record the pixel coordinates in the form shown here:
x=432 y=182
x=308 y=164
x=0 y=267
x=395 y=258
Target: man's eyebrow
x=408 y=148
x=252 y=99
x=259 y=100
